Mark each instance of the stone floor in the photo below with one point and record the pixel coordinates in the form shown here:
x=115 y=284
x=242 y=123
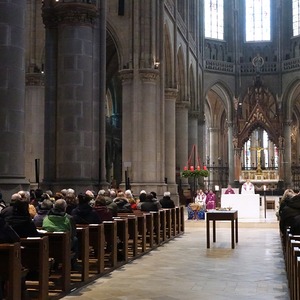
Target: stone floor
x=185 y=269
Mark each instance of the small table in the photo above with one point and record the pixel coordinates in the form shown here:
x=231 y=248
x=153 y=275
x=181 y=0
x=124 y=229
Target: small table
x=219 y=215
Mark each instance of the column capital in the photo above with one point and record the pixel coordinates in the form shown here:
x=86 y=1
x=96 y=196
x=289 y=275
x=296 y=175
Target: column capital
x=194 y=114
x=183 y=104
x=126 y=75
x=171 y=94
x=287 y=122
x=59 y=12
x=214 y=129
x=35 y=79
x=229 y=124
x=149 y=75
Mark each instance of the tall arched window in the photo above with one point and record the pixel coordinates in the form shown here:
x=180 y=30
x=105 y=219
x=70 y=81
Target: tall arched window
x=214 y=19
x=296 y=17
x=258 y=20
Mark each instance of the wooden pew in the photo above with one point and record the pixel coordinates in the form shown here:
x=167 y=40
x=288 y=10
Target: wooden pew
x=295 y=273
x=136 y=231
x=292 y=243
x=97 y=243
x=60 y=251
x=83 y=247
x=142 y=232
x=163 y=225
x=174 y=222
x=181 y=214
x=156 y=227
x=133 y=235
x=122 y=234
x=150 y=230
x=110 y=233
x=179 y=219
x=168 y=223
x=10 y=261
x=35 y=258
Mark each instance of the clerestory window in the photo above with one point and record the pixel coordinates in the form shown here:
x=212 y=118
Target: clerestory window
x=214 y=19
x=258 y=20
x=296 y=17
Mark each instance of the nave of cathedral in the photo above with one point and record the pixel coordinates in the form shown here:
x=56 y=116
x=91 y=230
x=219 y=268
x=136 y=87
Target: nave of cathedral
x=98 y=94
x=184 y=269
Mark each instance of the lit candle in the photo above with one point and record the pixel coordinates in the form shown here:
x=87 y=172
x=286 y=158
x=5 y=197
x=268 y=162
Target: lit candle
x=192 y=168
x=198 y=168
x=185 y=168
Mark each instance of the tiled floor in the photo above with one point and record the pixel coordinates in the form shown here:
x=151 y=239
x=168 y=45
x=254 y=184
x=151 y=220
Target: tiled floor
x=185 y=269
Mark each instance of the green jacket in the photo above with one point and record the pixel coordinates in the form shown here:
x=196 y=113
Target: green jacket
x=59 y=222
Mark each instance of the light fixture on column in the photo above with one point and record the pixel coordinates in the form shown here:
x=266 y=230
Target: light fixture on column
x=156 y=64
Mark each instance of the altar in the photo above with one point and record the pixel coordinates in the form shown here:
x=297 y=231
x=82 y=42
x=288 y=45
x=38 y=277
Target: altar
x=247 y=205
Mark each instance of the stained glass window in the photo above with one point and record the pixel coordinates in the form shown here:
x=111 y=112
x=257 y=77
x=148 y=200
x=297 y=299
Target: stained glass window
x=296 y=17
x=258 y=20
x=214 y=19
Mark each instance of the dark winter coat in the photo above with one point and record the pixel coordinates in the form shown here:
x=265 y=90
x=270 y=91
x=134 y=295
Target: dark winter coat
x=85 y=214
x=290 y=215
x=167 y=202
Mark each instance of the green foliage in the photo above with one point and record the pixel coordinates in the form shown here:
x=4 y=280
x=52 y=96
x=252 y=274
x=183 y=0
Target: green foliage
x=195 y=173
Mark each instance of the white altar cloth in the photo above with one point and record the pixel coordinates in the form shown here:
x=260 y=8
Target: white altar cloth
x=247 y=205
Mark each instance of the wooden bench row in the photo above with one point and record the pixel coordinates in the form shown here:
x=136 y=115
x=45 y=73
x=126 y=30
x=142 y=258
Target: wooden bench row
x=101 y=248
x=291 y=249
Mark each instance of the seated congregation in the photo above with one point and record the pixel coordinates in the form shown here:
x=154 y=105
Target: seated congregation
x=78 y=237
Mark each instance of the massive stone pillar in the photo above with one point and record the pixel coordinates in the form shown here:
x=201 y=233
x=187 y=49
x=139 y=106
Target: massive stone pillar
x=141 y=130
x=12 y=97
x=69 y=96
x=143 y=116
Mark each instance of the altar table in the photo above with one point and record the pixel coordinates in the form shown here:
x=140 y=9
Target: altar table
x=247 y=205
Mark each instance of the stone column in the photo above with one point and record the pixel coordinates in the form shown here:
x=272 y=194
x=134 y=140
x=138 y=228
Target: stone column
x=271 y=153
x=214 y=133
x=75 y=126
x=100 y=112
x=141 y=129
x=170 y=139
x=49 y=20
x=193 y=131
x=285 y=148
x=12 y=97
x=182 y=154
x=230 y=154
